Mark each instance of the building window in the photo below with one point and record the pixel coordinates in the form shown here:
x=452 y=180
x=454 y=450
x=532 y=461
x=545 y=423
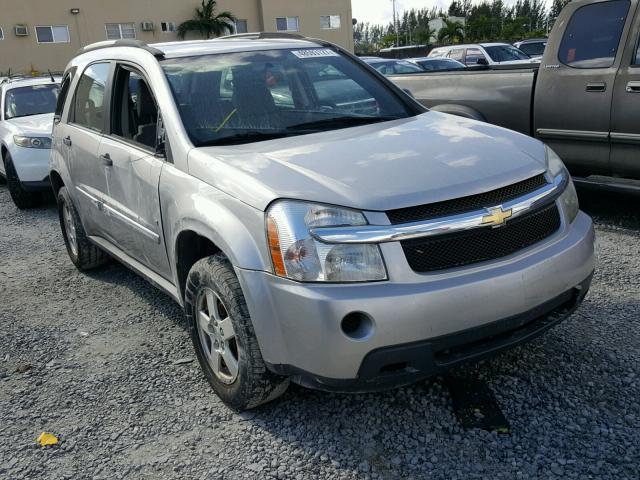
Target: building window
x=168 y=27
x=329 y=22
x=1 y=34
x=52 y=34
x=241 y=26
x=117 y=31
x=287 y=24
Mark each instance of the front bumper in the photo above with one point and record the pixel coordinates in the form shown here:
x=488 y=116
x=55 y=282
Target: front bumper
x=32 y=166
x=422 y=323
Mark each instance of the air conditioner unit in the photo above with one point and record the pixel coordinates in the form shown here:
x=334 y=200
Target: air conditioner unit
x=147 y=26
x=21 y=30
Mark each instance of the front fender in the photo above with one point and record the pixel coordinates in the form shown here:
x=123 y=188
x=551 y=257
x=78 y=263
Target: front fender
x=237 y=229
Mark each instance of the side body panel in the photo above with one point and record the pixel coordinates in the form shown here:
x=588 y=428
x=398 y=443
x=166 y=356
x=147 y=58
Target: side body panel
x=500 y=96
x=133 y=205
x=572 y=107
x=625 y=111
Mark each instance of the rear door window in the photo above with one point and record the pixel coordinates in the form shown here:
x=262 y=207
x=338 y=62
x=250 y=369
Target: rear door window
x=89 y=101
x=593 y=34
x=456 y=54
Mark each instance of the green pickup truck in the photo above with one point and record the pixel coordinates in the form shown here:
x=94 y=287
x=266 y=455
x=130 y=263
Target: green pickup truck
x=583 y=100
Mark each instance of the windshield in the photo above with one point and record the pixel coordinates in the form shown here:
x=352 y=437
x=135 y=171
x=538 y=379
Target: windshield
x=533 y=49
x=244 y=97
x=505 y=53
x=440 y=64
x=396 y=67
x=31 y=100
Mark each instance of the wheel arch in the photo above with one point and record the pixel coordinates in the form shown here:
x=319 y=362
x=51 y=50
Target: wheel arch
x=56 y=181
x=459 y=110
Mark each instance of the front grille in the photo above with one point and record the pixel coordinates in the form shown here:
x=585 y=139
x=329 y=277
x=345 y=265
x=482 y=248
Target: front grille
x=466 y=204
x=458 y=249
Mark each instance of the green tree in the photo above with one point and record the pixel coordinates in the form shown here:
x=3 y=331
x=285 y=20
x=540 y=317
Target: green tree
x=208 y=22
x=452 y=32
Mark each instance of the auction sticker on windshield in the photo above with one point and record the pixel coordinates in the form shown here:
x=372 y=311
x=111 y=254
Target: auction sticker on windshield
x=315 y=53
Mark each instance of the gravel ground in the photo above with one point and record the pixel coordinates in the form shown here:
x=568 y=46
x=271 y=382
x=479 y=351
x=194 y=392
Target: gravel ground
x=104 y=362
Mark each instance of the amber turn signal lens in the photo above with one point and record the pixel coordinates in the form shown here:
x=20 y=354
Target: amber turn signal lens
x=274 y=248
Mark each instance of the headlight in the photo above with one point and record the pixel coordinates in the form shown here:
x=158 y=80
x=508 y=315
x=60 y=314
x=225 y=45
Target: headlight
x=295 y=254
x=32 y=142
x=569 y=198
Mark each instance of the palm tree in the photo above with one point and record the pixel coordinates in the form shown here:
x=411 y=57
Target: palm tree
x=208 y=22
x=451 y=31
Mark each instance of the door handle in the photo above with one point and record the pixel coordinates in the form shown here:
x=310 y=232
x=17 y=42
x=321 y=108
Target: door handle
x=106 y=159
x=596 y=87
x=633 y=87
x=67 y=141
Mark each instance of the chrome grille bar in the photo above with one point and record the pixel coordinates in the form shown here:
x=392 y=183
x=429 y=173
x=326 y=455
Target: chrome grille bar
x=438 y=226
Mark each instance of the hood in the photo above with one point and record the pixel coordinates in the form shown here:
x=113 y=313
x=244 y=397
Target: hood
x=396 y=164
x=41 y=125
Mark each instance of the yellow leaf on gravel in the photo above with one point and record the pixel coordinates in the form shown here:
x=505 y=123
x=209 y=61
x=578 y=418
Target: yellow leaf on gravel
x=46 y=439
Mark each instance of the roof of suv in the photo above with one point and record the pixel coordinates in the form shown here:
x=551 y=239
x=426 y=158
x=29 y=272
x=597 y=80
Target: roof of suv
x=228 y=44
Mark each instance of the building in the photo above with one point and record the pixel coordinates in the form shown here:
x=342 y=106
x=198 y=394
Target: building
x=437 y=24
x=36 y=35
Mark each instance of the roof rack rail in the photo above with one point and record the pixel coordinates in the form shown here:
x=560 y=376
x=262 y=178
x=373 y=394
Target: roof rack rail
x=14 y=77
x=122 y=43
x=261 y=35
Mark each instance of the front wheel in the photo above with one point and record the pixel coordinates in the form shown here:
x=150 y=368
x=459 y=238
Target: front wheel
x=19 y=195
x=224 y=339
x=84 y=254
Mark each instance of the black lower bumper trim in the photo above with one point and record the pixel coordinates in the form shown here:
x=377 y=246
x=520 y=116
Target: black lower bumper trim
x=398 y=365
x=39 y=186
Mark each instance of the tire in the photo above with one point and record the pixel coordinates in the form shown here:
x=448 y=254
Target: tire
x=19 y=195
x=84 y=254
x=213 y=291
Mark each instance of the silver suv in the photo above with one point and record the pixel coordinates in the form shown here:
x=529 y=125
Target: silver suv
x=316 y=223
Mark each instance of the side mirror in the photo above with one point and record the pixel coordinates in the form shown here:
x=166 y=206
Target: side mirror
x=408 y=92
x=482 y=61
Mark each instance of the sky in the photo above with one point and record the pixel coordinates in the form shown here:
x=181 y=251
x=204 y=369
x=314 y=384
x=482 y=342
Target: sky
x=381 y=11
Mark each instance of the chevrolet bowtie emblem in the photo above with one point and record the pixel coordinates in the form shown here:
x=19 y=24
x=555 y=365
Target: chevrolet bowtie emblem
x=497 y=216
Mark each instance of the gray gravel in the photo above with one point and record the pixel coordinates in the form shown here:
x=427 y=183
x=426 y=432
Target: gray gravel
x=104 y=362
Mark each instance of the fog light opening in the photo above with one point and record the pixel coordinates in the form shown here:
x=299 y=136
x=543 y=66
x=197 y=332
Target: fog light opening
x=357 y=325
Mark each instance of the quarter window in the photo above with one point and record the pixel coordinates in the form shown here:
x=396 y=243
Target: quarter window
x=593 y=34
x=62 y=96
x=241 y=26
x=287 y=24
x=117 y=31
x=168 y=27
x=135 y=113
x=329 y=22
x=52 y=34
x=89 y=102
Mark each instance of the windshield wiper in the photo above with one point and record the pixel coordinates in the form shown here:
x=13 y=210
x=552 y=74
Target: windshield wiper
x=246 y=137
x=345 y=121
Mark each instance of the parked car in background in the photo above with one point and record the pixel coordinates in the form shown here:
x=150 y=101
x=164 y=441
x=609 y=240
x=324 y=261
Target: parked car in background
x=482 y=54
x=534 y=47
x=337 y=250
x=583 y=100
x=437 y=64
x=26 y=120
x=388 y=66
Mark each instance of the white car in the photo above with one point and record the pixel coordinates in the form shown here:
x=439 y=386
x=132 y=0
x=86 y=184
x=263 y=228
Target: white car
x=483 y=54
x=26 y=120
